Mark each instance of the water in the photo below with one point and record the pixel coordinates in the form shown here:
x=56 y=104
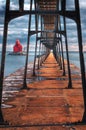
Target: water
x=74 y=58
x=14 y=62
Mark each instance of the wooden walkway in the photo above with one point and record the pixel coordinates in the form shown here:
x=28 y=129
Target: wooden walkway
x=48 y=104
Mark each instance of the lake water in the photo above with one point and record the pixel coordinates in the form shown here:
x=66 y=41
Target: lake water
x=15 y=62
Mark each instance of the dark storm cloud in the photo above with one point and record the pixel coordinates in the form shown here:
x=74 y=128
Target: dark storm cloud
x=18 y=27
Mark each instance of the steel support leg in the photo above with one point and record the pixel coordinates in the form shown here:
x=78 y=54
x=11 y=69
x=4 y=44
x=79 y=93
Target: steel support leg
x=3 y=60
x=82 y=64
x=39 y=55
x=21 y=5
x=36 y=23
x=68 y=62
x=62 y=54
x=28 y=42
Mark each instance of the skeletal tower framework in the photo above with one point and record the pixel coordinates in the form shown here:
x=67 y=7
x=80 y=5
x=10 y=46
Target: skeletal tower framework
x=50 y=13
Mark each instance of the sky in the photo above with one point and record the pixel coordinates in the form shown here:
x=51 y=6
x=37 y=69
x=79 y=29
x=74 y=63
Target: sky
x=18 y=27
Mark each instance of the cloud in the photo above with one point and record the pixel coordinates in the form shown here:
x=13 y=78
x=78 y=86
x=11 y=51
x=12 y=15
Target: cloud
x=18 y=27
x=14 y=5
x=70 y=5
x=2 y=4
x=27 y=6
x=1 y=33
x=82 y=4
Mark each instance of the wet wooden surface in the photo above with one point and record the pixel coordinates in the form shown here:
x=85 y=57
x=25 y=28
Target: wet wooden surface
x=47 y=103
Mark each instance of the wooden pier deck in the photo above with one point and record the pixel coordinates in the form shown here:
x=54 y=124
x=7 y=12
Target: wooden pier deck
x=47 y=104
